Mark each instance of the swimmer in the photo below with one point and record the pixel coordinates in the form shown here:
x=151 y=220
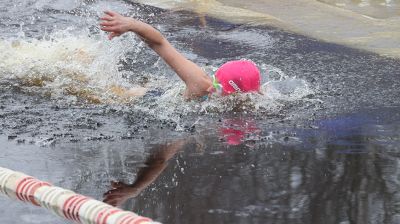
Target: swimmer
x=232 y=77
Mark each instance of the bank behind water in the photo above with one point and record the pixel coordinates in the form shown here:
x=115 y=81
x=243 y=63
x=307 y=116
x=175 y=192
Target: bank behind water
x=371 y=25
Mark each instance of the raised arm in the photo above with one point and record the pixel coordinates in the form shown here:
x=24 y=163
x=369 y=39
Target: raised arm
x=197 y=82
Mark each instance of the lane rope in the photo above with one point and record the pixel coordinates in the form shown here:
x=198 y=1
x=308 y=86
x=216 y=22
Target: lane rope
x=65 y=203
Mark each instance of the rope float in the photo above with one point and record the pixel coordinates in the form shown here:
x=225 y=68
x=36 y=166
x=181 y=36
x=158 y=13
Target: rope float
x=64 y=203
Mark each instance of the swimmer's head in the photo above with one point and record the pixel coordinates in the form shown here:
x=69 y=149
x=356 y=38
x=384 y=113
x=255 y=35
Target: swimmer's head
x=237 y=76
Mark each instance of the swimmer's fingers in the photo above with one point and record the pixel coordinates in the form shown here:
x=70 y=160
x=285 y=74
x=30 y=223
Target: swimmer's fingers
x=112 y=200
x=115 y=24
x=110 y=16
x=108 y=23
x=113 y=192
x=113 y=34
x=111 y=13
x=110 y=28
x=117 y=184
x=107 y=18
x=114 y=31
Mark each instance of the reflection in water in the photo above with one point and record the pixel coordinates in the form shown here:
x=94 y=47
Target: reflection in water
x=375 y=8
x=154 y=166
x=235 y=131
x=341 y=171
x=356 y=27
x=202 y=6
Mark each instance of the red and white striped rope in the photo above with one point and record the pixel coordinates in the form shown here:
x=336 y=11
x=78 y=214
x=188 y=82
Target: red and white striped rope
x=64 y=203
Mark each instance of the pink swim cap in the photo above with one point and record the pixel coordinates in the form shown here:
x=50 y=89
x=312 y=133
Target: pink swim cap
x=238 y=76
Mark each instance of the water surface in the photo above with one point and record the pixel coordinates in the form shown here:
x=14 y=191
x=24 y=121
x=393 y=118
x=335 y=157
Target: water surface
x=321 y=145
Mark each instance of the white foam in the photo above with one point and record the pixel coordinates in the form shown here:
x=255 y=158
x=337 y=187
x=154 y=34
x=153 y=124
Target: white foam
x=64 y=61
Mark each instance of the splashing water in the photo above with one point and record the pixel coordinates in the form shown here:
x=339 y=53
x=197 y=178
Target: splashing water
x=277 y=93
x=63 y=63
x=81 y=64
x=89 y=67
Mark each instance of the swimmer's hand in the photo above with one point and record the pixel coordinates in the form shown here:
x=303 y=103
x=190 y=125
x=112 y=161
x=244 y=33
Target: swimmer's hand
x=196 y=80
x=120 y=193
x=116 y=24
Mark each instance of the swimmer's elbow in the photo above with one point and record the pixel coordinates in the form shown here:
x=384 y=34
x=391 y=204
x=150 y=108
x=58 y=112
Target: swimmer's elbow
x=157 y=42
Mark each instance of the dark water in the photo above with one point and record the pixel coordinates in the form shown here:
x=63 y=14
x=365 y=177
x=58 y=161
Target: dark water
x=331 y=156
